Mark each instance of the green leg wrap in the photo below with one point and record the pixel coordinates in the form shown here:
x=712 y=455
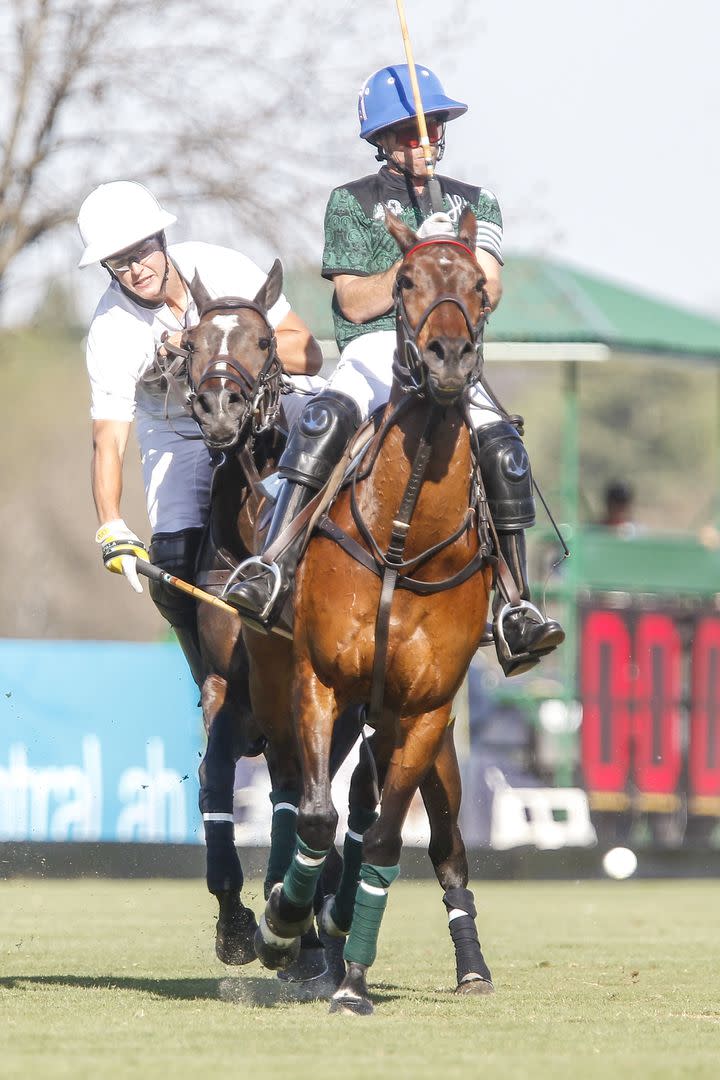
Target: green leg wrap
x=283 y=834
x=344 y=903
x=302 y=874
x=370 y=904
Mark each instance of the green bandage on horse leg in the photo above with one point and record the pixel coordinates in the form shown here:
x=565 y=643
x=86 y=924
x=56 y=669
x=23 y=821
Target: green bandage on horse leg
x=370 y=904
x=344 y=903
x=302 y=874
x=283 y=834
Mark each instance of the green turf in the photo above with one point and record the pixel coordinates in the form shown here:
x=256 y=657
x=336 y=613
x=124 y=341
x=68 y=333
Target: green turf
x=594 y=979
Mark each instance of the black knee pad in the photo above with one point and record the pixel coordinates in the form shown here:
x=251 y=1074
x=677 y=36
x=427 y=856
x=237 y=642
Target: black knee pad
x=177 y=553
x=507 y=476
x=316 y=443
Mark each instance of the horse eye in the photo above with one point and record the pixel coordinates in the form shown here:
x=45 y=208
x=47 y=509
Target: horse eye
x=264 y=343
x=404 y=282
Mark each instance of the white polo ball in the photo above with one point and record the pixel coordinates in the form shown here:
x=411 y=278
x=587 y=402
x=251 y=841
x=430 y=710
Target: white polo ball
x=619 y=863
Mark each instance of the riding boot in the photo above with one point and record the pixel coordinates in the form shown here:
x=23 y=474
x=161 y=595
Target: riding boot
x=314 y=447
x=177 y=553
x=261 y=595
x=522 y=633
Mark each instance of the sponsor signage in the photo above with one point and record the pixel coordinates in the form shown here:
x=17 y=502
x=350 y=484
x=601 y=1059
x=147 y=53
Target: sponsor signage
x=98 y=741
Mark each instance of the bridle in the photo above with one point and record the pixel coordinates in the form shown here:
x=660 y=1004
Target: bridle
x=261 y=394
x=409 y=366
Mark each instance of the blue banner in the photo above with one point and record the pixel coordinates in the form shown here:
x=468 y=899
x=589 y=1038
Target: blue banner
x=98 y=741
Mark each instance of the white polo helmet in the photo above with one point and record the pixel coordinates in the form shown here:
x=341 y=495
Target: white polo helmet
x=116 y=215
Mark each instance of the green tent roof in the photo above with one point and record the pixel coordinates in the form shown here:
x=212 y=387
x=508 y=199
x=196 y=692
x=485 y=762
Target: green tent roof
x=545 y=301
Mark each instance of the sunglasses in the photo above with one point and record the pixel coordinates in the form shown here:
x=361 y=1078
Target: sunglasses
x=407 y=135
x=120 y=263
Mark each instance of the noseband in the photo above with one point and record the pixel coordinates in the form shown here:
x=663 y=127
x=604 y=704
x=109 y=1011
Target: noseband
x=262 y=394
x=409 y=365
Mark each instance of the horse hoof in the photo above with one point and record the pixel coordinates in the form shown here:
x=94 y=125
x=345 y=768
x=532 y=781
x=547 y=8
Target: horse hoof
x=234 y=933
x=309 y=965
x=282 y=918
x=476 y=986
x=234 y=939
x=272 y=951
x=351 y=1006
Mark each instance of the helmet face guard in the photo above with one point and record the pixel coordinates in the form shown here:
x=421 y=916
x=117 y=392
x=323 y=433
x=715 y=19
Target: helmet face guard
x=386 y=99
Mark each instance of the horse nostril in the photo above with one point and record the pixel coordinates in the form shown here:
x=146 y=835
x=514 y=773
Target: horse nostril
x=203 y=403
x=436 y=347
x=234 y=399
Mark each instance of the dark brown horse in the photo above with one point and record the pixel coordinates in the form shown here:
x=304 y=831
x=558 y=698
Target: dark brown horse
x=390 y=606
x=236 y=378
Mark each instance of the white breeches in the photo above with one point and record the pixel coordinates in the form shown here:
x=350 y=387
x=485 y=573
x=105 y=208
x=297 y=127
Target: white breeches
x=364 y=373
x=177 y=472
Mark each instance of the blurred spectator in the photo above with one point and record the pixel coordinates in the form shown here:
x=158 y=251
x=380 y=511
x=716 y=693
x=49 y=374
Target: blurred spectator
x=619 y=505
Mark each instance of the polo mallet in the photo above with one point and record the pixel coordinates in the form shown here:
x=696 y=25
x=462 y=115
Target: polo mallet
x=155 y=573
x=432 y=183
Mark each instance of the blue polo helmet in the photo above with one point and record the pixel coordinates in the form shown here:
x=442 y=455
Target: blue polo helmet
x=386 y=98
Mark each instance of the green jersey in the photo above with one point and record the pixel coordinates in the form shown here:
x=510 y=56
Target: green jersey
x=357 y=242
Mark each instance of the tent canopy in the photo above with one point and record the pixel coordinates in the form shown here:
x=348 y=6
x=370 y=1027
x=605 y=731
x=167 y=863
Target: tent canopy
x=549 y=302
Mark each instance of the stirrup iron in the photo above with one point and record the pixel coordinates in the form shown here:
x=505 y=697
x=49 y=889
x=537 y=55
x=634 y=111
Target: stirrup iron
x=240 y=574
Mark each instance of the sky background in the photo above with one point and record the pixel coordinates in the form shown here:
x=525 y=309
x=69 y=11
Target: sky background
x=594 y=123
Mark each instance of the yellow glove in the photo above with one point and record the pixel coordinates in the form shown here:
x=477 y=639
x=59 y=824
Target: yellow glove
x=120 y=549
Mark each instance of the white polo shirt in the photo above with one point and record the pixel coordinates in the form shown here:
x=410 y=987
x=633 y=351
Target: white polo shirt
x=123 y=337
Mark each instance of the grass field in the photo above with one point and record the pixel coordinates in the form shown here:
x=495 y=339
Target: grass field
x=118 y=979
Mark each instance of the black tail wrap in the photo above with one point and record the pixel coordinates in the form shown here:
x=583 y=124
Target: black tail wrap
x=318 y=439
x=507 y=476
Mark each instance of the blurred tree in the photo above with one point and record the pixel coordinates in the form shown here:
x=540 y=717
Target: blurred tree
x=221 y=105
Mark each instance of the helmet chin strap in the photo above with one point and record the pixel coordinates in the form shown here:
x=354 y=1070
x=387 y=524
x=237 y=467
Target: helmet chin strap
x=132 y=295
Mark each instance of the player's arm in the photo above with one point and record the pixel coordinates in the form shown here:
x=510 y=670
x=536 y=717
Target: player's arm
x=297 y=348
x=362 y=298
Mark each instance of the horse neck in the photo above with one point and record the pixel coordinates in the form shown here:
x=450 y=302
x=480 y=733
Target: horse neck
x=444 y=496
x=232 y=508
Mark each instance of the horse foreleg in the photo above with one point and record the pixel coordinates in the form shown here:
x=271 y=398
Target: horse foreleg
x=418 y=747
x=289 y=909
x=441 y=792
x=365 y=785
x=236 y=924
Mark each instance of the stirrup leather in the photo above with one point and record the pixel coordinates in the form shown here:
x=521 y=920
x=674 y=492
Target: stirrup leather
x=240 y=573
x=514 y=663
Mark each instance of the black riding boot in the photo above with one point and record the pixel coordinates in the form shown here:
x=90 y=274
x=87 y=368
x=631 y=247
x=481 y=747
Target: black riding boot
x=314 y=447
x=522 y=634
x=177 y=553
x=262 y=593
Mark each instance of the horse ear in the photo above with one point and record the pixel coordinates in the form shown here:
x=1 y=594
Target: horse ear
x=272 y=287
x=198 y=292
x=404 y=237
x=467 y=232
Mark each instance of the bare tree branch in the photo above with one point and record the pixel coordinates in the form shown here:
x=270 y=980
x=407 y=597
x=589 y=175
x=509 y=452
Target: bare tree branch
x=231 y=107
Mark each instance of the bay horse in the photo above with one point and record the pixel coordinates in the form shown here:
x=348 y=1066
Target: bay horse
x=415 y=517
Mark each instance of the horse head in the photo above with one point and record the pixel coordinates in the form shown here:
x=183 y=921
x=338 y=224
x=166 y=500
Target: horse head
x=233 y=367
x=441 y=306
